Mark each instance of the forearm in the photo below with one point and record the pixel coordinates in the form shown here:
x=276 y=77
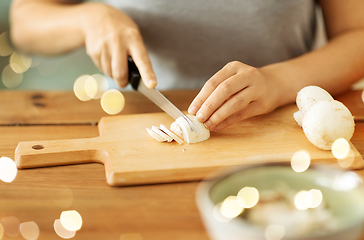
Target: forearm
x=48 y=27
x=334 y=67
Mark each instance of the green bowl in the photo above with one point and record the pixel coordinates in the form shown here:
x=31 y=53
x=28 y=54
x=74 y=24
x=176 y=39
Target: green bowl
x=342 y=194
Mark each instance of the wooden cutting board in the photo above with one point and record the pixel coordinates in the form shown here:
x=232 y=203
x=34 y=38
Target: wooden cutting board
x=354 y=100
x=132 y=157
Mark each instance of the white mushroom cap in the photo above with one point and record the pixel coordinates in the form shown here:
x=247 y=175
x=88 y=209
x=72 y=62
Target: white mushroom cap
x=326 y=121
x=310 y=95
x=183 y=129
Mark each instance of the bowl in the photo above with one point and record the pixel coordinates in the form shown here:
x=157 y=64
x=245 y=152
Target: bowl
x=273 y=202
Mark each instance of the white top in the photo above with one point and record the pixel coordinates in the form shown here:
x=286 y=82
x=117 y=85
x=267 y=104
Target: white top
x=190 y=40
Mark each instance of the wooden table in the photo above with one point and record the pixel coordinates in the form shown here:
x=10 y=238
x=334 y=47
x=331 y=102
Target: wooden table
x=160 y=211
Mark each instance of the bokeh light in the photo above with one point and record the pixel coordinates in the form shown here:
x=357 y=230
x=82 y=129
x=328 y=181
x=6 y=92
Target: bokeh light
x=308 y=199
x=29 y=230
x=79 y=88
x=11 y=226
x=248 y=197
x=302 y=200
x=71 y=220
x=112 y=101
x=5 y=47
x=218 y=215
x=10 y=78
x=96 y=85
x=8 y=169
x=61 y=231
x=274 y=232
x=340 y=148
x=300 y=161
x=347 y=161
x=230 y=207
x=316 y=196
x=19 y=62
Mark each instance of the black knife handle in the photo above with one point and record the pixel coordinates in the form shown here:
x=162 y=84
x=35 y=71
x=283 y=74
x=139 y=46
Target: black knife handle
x=134 y=75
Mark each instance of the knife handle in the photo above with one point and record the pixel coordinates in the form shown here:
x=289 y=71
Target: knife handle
x=134 y=75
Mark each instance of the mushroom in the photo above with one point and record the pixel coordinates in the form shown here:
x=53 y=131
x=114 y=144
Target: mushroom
x=327 y=121
x=162 y=134
x=310 y=95
x=155 y=135
x=180 y=129
x=322 y=118
x=298 y=117
x=183 y=130
x=170 y=133
x=307 y=97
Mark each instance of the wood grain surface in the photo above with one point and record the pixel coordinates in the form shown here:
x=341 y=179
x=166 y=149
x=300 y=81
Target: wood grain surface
x=62 y=107
x=145 y=212
x=355 y=102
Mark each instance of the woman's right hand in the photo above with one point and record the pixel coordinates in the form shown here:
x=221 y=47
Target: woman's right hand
x=110 y=37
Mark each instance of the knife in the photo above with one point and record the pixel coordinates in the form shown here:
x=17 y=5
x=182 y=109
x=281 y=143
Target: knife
x=155 y=96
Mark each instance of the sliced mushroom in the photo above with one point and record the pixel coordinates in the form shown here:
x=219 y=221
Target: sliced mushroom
x=155 y=135
x=183 y=130
x=170 y=133
x=162 y=134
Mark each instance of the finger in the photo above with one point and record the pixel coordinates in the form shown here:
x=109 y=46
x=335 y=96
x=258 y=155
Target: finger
x=119 y=66
x=251 y=110
x=234 y=104
x=140 y=56
x=221 y=98
x=96 y=58
x=209 y=87
x=106 y=61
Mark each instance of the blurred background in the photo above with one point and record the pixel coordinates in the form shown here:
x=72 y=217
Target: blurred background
x=38 y=72
x=60 y=72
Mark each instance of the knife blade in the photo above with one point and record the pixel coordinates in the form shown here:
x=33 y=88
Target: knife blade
x=155 y=96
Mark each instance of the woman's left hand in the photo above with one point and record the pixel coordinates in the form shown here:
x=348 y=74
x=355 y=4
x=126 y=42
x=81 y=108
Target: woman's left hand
x=235 y=93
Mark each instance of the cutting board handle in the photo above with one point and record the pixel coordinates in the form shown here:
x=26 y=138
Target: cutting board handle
x=57 y=152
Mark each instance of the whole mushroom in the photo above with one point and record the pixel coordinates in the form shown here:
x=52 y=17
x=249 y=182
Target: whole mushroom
x=310 y=95
x=322 y=118
x=307 y=97
x=327 y=121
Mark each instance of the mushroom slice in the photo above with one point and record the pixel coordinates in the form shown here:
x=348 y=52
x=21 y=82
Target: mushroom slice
x=162 y=134
x=183 y=129
x=177 y=129
x=155 y=135
x=170 y=133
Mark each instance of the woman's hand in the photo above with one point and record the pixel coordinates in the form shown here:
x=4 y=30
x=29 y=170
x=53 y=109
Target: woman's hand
x=110 y=37
x=235 y=93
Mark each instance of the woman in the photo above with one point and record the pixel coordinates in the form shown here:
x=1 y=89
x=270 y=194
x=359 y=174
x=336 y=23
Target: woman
x=265 y=45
